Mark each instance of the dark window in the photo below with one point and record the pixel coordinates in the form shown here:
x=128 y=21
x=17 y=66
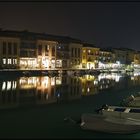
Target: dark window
x=15 y=48
x=40 y=50
x=4 y=48
x=32 y=53
x=23 y=53
x=79 y=52
x=72 y=51
x=9 y=48
x=75 y=52
x=53 y=50
x=27 y=45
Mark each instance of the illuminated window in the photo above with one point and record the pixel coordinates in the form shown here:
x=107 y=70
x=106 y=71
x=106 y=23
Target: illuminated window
x=14 y=61
x=4 y=60
x=84 y=51
x=58 y=63
x=89 y=51
x=9 y=61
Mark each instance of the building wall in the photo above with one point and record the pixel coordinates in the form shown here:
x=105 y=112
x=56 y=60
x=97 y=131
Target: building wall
x=105 y=57
x=9 y=52
x=129 y=57
x=46 y=54
x=120 y=56
x=75 y=55
x=63 y=55
x=90 y=57
x=137 y=58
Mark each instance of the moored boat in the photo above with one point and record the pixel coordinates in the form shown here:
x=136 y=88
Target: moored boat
x=101 y=123
x=121 y=112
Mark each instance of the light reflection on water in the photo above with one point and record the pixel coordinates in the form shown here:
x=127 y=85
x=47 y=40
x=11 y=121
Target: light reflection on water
x=44 y=90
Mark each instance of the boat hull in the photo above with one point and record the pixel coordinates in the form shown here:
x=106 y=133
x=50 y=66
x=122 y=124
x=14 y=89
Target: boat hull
x=101 y=123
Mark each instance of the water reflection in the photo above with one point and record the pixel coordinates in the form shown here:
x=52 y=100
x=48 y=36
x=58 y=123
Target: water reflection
x=44 y=90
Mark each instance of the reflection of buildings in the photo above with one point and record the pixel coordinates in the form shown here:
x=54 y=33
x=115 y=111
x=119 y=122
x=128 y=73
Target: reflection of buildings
x=88 y=85
x=9 y=94
x=38 y=90
x=91 y=84
x=45 y=90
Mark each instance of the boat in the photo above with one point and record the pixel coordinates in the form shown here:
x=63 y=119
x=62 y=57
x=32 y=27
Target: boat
x=121 y=112
x=108 y=124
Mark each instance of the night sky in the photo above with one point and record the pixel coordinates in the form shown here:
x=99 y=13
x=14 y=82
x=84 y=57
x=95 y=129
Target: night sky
x=106 y=24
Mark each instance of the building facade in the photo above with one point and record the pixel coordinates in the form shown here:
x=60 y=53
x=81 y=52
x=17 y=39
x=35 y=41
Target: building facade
x=90 y=56
x=46 y=54
x=28 y=50
x=75 y=55
x=9 y=52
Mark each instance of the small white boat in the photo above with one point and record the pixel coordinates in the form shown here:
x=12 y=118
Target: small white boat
x=101 y=123
x=121 y=112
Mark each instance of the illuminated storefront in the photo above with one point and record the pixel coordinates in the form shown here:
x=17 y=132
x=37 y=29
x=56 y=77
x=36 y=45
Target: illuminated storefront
x=28 y=63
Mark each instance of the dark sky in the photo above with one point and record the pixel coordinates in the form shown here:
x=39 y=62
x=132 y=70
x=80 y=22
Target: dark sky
x=115 y=24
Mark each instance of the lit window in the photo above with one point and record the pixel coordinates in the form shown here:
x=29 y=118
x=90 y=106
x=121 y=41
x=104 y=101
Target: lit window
x=9 y=61
x=48 y=47
x=14 y=61
x=84 y=51
x=89 y=51
x=4 y=61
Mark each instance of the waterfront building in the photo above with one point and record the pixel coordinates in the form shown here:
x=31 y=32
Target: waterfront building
x=75 y=55
x=28 y=51
x=46 y=54
x=106 y=58
x=129 y=56
x=68 y=52
x=90 y=56
x=62 y=55
x=124 y=55
x=9 y=50
x=137 y=59
x=120 y=55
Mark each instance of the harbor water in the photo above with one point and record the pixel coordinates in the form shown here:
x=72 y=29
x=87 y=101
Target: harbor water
x=36 y=106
